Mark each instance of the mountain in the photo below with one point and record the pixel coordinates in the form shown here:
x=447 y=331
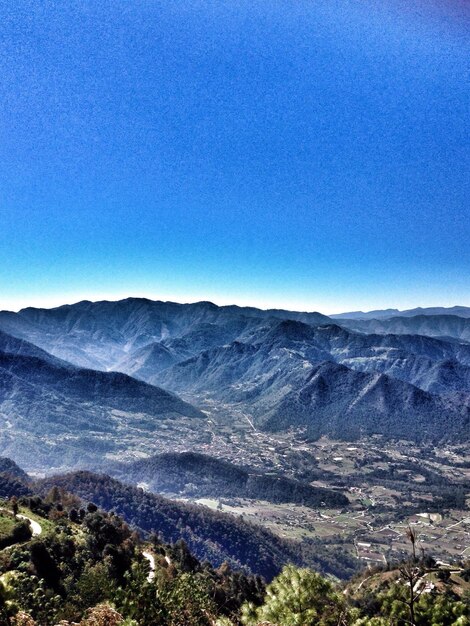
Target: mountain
x=345 y=404
x=362 y=315
x=290 y=376
x=198 y=475
x=444 y=326
x=18 y=347
x=100 y=335
x=257 y=363
x=434 y=365
x=460 y=311
x=54 y=413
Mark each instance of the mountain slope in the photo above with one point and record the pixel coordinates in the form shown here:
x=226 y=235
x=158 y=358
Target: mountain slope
x=253 y=360
x=100 y=334
x=344 y=404
x=289 y=377
x=52 y=412
x=451 y=326
x=461 y=311
x=198 y=475
x=210 y=535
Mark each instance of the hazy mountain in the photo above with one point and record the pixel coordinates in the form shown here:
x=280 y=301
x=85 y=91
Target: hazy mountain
x=54 y=413
x=254 y=360
x=288 y=378
x=431 y=364
x=101 y=334
x=363 y=315
x=198 y=475
x=446 y=326
x=145 y=362
x=18 y=347
x=461 y=311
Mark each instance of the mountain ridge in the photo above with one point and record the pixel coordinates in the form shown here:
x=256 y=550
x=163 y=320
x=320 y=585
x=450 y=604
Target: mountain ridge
x=42 y=398
x=461 y=311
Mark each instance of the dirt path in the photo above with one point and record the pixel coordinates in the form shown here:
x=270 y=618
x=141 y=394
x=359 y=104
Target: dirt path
x=36 y=528
x=151 y=559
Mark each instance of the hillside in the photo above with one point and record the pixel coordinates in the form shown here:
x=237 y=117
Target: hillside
x=198 y=475
x=212 y=536
x=100 y=334
x=347 y=405
x=285 y=380
x=259 y=363
x=452 y=326
x=460 y=311
x=70 y=563
x=54 y=413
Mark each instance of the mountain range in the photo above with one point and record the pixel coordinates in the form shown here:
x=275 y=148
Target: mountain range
x=51 y=409
x=461 y=311
x=92 y=381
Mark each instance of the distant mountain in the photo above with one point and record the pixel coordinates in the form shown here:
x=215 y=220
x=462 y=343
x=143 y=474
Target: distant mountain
x=54 y=413
x=444 y=326
x=441 y=367
x=18 y=347
x=198 y=475
x=100 y=335
x=154 y=357
x=289 y=377
x=255 y=362
x=460 y=311
x=362 y=315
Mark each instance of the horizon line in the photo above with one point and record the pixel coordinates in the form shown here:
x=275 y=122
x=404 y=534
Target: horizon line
x=164 y=300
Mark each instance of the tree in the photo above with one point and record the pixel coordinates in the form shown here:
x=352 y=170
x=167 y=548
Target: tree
x=411 y=534
x=14 y=506
x=298 y=597
x=6 y=608
x=187 y=601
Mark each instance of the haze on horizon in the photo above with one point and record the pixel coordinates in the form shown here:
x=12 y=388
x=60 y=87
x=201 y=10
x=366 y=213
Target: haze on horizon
x=309 y=156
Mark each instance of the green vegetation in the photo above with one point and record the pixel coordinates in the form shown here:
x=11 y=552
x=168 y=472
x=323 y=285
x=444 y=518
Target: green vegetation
x=210 y=535
x=89 y=568
x=7 y=522
x=199 y=475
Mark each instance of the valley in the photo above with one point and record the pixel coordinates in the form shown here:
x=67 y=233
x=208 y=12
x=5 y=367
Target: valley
x=321 y=433
x=390 y=485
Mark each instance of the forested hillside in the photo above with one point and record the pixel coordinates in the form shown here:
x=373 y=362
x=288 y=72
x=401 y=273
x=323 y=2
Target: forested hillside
x=199 y=475
x=212 y=536
x=67 y=562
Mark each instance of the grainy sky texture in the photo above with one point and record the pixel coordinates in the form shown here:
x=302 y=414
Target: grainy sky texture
x=304 y=154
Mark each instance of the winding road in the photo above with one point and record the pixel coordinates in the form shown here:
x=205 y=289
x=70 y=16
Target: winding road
x=36 y=527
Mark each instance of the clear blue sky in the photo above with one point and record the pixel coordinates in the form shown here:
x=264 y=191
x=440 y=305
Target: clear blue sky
x=307 y=154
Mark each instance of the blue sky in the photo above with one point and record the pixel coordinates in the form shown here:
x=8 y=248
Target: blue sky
x=302 y=154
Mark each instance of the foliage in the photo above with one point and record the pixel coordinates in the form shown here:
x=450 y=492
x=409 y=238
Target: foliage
x=298 y=597
x=89 y=569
